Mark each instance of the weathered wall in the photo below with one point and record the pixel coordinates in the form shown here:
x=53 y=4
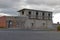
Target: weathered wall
x=3 y=22
x=38 y=24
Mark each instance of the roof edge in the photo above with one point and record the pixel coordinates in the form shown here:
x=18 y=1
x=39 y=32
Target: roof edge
x=33 y=10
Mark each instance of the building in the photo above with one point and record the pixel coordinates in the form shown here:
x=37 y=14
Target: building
x=17 y=21
x=12 y=22
x=29 y=19
x=36 y=19
x=7 y=22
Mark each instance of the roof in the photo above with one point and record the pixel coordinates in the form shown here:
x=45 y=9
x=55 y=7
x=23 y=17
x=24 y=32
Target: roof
x=34 y=10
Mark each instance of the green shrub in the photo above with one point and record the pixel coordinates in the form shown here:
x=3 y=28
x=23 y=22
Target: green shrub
x=58 y=28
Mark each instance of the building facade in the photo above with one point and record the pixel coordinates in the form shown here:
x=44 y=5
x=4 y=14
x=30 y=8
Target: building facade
x=12 y=22
x=7 y=22
x=29 y=19
x=36 y=19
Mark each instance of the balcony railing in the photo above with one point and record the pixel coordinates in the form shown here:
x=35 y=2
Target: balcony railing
x=40 y=17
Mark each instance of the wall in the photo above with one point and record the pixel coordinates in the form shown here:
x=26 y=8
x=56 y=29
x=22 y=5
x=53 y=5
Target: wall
x=38 y=24
x=12 y=19
x=3 y=22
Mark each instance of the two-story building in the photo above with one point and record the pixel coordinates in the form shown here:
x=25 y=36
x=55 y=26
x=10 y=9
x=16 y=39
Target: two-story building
x=36 y=19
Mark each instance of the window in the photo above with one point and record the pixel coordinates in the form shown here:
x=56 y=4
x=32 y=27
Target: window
x=49 y=15
x=22 y=12
x=32 y=24
x=36 y=14
x=43 y=23
x=43 y=15
x=29 y=14
x=14 y=17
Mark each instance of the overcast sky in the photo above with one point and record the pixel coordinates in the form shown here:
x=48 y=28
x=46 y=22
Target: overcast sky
x=10 y=7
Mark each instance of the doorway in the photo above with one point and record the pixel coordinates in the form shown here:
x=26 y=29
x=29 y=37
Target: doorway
x=10 y=23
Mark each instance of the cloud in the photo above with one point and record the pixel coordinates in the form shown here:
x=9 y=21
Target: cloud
x=8 y=3
x=9 y=6
x=56 y=18
x=41 y=7
x=12 y=6
x=3 y=14
x=45 y=2
x=53 y=5
x=9 y=11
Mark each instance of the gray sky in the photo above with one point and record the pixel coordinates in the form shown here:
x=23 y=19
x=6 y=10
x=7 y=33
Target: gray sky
x=10 y=7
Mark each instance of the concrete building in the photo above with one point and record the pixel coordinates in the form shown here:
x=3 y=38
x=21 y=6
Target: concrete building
x=36 y=19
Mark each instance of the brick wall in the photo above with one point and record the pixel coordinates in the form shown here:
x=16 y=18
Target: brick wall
x=3 y=22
